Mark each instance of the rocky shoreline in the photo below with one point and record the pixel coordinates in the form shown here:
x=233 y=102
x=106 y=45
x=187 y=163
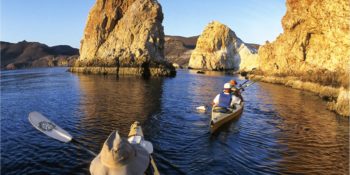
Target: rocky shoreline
x=122 y=71
x=338 y=98
x=312 y=53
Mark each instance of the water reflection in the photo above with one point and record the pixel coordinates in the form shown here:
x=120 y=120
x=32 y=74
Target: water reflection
x=108 y=103
x=309 y=131
x=281 y=130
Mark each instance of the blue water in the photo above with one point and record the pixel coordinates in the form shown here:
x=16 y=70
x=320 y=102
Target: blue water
x=281 y=130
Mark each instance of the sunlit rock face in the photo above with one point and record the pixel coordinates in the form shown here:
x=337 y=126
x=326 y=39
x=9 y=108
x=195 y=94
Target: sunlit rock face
x=123 y=34
x=248 y=57
x=315 y=42
x=314 y=47
x=218 y=48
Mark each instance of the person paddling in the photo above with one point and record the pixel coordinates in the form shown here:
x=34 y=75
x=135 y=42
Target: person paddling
x=119 y=157
x=225 y=100
x=235 y=91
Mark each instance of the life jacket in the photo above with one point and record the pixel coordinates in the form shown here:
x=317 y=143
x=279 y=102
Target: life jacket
x=225 y=100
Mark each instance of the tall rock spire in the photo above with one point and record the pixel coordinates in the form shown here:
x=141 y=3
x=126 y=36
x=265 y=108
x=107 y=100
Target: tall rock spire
x=127 y=35
x=218 y=48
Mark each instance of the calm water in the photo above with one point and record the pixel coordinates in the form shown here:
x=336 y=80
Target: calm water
x=281 y=131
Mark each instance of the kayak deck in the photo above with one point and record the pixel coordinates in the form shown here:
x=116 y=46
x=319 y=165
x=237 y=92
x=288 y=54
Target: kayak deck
x=219 y=118
x=135 y=136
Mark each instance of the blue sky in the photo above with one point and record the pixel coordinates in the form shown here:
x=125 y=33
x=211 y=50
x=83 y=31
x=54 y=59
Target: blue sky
x=57 y=22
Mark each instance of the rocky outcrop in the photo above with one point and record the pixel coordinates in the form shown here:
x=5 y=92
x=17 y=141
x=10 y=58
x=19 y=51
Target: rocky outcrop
x=178 y=49
x=33 y=54
x=247 y=56
x=218 y=48
x=124 y=34
x=314 y=47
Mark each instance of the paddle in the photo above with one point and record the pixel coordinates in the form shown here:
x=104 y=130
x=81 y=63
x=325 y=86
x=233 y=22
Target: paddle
x=201 y=109
x=245 y=74
x=243 y=83
x=242 y=86
x=52 y=130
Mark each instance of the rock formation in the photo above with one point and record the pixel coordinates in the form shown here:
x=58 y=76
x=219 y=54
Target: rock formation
x=218 y=48
x=124 y=37
x=247 y=56
x=178 y=49
x=33 y=54
x=315 y=45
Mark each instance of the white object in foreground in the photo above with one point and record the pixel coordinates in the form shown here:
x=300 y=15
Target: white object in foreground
x=201 y=108
x=49 y=128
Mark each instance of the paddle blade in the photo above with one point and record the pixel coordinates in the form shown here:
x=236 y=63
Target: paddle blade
x=49 y=128
x=201 y=108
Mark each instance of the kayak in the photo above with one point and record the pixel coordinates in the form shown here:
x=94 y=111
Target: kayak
x=135 y=136
x=220 y=116
x=52 y=130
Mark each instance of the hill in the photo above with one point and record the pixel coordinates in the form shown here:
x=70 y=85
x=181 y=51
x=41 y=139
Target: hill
x=34 y=54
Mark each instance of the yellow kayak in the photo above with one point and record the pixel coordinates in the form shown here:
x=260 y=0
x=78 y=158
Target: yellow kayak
x=220 y=116
x=135 y=136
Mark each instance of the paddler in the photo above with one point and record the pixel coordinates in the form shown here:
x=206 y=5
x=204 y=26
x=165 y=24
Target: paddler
x=234 y=90
x=119 y=157
x=226 y=100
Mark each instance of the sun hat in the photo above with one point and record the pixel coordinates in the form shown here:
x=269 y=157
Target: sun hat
x=119 y=157
x=227 y=86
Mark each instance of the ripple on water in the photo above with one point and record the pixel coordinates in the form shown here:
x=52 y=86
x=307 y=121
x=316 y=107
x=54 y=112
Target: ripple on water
x=281 y=131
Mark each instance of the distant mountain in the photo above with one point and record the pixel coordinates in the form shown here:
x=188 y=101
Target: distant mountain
x=25 y=54
x=33 y=54
x=188 y=42
x=178 y=49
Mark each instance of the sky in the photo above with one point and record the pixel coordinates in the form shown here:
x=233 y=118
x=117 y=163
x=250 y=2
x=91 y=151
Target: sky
x=62 y=22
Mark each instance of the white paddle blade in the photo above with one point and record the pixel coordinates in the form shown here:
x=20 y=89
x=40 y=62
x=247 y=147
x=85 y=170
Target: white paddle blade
x=201 y=108
x=49 y=128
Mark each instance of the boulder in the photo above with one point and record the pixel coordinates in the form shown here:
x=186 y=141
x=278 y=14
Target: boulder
x=124 y=34
x=218 y=48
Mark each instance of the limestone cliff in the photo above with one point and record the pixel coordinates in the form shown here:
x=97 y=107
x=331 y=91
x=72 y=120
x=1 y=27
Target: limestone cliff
x=218 y=48
x=248 y=57
x=314 y=47
x=123 y=34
